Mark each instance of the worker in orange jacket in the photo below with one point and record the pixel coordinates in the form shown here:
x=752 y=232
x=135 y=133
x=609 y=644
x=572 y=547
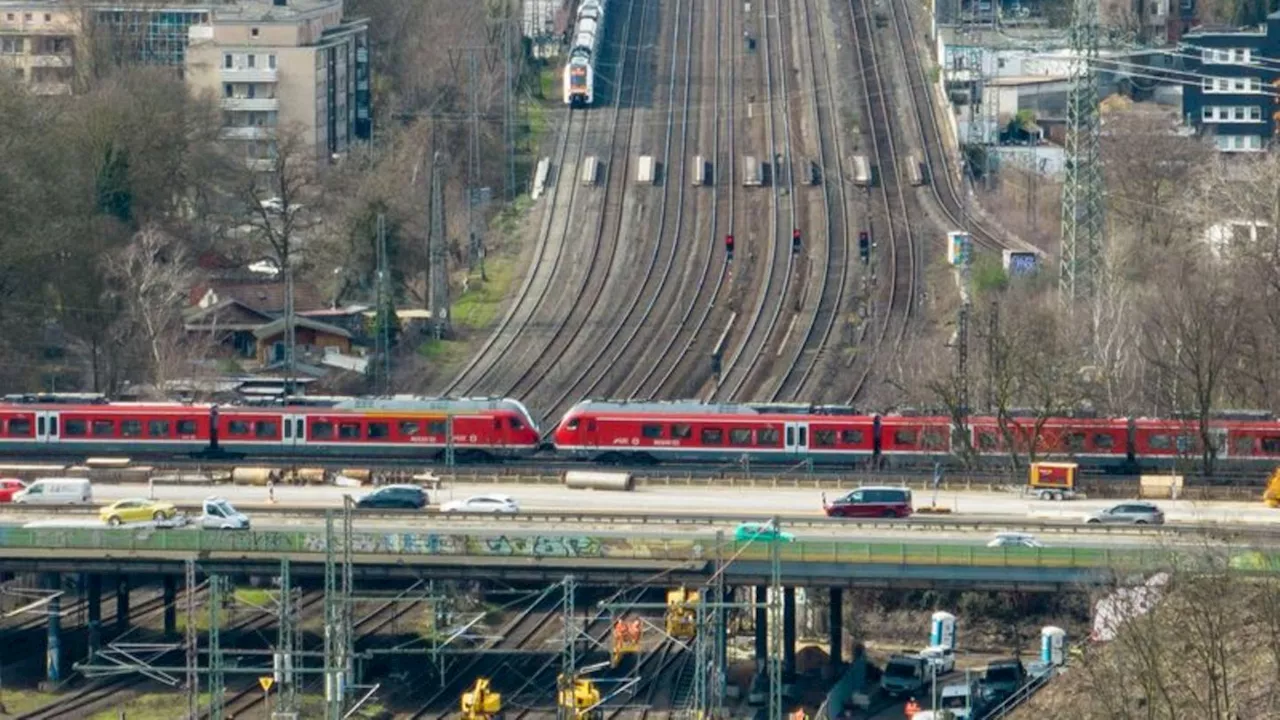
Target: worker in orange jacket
x=913 y=707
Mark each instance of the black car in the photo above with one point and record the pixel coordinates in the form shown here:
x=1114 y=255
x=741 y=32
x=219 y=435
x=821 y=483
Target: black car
x=410 y=497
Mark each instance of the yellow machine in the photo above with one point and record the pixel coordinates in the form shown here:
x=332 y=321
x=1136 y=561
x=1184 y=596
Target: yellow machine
x=681 y=623
x=581 y=698
x=626 y=640
x=1271 y=496
x=481 y=703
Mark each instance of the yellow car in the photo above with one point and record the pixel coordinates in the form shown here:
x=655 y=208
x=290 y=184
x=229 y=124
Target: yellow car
x=136 y=510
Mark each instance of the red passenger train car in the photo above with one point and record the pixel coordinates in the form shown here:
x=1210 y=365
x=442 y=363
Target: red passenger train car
x=401 y=427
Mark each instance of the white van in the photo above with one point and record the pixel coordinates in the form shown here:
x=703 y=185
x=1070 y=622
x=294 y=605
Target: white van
x=56 y=491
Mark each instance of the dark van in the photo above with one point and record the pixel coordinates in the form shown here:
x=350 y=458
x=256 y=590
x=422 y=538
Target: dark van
x=871 y=502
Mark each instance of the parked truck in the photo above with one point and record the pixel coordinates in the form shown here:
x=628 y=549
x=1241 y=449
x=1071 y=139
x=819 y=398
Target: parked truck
x=904 y=675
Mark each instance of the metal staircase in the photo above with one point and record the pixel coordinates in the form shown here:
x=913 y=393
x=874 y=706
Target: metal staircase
x=1023 y=694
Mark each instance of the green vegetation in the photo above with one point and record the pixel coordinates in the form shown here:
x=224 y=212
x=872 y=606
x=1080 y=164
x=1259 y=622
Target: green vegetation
x=478 y=307
x=254 y=597
x=988 y=274
x=443 y=352
x=19 y=702
x=547 y=81
x=507 y=221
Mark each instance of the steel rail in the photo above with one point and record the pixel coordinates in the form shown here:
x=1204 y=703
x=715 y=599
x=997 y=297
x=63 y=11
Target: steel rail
x=536 y=372
x=732 y=388
x=823 y=320
x=593 y=362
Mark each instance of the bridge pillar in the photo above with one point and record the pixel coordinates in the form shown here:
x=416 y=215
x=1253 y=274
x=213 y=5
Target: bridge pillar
x=788 y=632
x=762 y=626
x=835 y=625
x=122 y=603
x=170 y=605
x=93 y=592
x=53 y=650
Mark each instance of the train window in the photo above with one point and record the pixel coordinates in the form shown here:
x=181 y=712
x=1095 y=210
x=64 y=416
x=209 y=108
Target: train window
x=681 y=431
x=266 y=429
x=238 y=427
x=104 y=428
x=824 y=438
x=851 y=437
x=933 y=440
x=378 y=430
x=573 y=424
x=19 y=427
x=651 y=431
x=158 y=428
x=712 y=436
x=1160 y=442
x=322 y=430
x=437 y=427
x=987 y=440
x=74 y=427
x=131 y=428
x=740 y=436
x=348 y=431
x=768 y=437
x=410 y=427
x=1075 y=442
x=514 y=423
x=904 y=437
x=1103 y=441
x=187 y=427
x=1270 y=445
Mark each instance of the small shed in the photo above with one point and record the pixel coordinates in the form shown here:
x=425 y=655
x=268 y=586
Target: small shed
x=308 y=335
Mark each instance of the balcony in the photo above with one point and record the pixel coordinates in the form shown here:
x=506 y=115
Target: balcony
x=249 y=75
x=262 y=104
x=252 y=132
x=50 y=61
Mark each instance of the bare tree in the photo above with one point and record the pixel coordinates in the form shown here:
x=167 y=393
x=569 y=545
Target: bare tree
x=151 y=278
x=1191 y=334
x=277 y=196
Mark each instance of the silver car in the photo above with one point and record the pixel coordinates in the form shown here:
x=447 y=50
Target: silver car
x=1128 y=513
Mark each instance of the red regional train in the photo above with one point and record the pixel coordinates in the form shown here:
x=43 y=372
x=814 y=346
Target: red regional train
x=693 y=431
x=373 y=427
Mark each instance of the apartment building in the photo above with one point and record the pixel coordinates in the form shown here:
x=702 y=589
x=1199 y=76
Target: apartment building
x=284 y=64
x=1239 y=71
x=37 y=45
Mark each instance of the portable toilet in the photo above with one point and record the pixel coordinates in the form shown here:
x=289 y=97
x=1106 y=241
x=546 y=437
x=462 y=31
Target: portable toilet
x=942 y=632
x=1052 y=643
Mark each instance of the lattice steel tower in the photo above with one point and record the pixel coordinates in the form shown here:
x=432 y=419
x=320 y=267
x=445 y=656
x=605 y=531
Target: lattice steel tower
x=1082 y=208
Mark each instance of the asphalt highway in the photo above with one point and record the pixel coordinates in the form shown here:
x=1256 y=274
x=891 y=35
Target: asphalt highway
x=749 y=502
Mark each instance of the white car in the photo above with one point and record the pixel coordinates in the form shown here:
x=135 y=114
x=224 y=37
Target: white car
x=1015 y=539
x=482 y=504
x=941 y=660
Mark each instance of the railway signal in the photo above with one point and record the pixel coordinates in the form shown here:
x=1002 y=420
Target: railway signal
x=795 y=240
x=728 y=246
x=864 y=247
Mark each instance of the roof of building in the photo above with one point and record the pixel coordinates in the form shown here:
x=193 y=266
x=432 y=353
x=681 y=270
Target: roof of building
x=229 y=314
x=1012 y=80
x=266 y=11
x=263 y=297
x=276 y=327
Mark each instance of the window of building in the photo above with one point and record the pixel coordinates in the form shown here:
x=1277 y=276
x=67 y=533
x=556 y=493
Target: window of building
x=11 y=46
x=250 y=91
x=1238 y=143
x=1255 y=113
x=228 y=61
x=48 y=17
x=251 y=60
x=26 y=17
x=9 y=17
x=228 y=90
x=253 y=32
x=271 y=61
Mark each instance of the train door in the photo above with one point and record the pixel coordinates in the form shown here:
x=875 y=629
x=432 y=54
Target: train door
x=46 y=427
x=797 y=438
x=295 y=430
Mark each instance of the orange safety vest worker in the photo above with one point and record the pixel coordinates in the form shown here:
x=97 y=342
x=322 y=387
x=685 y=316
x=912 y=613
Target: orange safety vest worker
x=912 y=708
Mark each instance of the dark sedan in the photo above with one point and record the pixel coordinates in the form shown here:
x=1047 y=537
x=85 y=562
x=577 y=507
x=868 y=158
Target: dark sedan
x=408 y=497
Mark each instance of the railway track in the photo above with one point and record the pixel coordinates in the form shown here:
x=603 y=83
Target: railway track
x=600 y=357
x=578 y=306
x=777 y=281
x=831 y=292
x=903 y=248
x=724 y=174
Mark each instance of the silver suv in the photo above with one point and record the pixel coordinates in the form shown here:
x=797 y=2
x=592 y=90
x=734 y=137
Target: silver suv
x=1128 y=513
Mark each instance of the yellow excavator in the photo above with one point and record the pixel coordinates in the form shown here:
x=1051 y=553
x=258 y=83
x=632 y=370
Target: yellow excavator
x=1271 y=496
x=481 y=703
x=580 y=698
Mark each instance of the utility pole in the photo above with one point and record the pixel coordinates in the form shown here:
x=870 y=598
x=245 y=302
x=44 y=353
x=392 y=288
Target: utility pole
x=777 y=648
x=1082 y=211
x=385 y=314
x=193 y=643
x=290 y=333
x=569 y=651
x=217 y=680
x=438 y=297
x=508 y=107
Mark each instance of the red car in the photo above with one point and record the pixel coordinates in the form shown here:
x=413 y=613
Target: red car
x=10 y=487
x=868 y=502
